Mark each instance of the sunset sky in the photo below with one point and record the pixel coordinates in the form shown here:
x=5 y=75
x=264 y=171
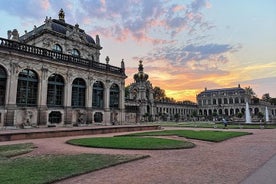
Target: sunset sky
x=185 y=45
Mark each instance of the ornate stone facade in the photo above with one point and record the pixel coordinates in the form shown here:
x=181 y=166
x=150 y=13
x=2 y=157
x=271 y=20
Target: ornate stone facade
x=141 y=106
x=228 y=102
x=52 y=76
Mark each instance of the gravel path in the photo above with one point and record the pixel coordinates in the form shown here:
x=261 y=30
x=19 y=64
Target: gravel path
x=228 y=162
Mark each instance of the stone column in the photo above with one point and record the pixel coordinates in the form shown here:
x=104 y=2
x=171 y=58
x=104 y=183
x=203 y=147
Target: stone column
x=42 y=118
x=89 y=96
x=106 y=117
x=122 y=102
x=12 y=80
x=67 y=99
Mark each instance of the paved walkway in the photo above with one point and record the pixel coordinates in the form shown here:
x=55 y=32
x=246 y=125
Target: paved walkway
x=265 y=174
x=239 y=160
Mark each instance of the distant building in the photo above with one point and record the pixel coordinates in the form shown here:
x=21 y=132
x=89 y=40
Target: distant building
x=229 y=102
x=52 y=75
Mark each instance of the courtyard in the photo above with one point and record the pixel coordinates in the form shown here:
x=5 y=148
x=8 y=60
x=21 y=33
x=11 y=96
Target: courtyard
x=230 y=161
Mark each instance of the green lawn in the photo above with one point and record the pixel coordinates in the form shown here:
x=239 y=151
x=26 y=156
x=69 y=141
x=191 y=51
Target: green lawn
x=149 y=143
x=50 y=168
x=15 y=149
x=205 y=135
x=202 y=124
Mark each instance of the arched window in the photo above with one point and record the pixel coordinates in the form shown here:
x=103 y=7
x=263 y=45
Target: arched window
x=231 y=101
x=3 y=81
x=237 y=100
x=57 y=48
x=242 y=100
x=75 y=53
x=219 y=101
x=27 y=88
x=98 y=95
x=114 y=96
x=78 y=93
x=214 y=102
x=55 y=91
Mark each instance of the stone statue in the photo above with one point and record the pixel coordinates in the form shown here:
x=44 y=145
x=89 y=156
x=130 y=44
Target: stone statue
x=15 y=35
x=28 y=118
x=82 y=117
x=98 y=40
x=9 y=33
x=122 y=64
x=107 y=60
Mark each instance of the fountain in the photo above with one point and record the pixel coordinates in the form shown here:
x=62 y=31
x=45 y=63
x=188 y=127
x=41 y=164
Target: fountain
x=247 y=114
x=266 y=115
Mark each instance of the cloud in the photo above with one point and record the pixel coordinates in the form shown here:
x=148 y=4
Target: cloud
x=262 y=85
x=180 y=82
x=154 y=21
x=198 y=4
x=196 y=57
x=143 y=20
x=25 y=9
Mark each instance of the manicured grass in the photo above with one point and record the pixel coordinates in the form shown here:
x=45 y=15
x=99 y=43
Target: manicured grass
x=205 y=135
x=16 y=149
x=201 y=124
x=50 y=168
x=145 y=143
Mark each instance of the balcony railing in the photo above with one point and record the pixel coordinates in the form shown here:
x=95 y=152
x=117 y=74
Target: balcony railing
x=58 y=57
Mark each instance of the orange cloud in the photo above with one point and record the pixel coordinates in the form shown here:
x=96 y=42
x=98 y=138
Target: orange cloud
x=45 y=4
x=182 y=83
x=178 y=8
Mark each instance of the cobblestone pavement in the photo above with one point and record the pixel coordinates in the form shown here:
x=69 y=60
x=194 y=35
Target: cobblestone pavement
x=230 y=161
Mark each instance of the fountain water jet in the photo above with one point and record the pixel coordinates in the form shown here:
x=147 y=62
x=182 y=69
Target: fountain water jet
x=247 y=114
x=266 y=115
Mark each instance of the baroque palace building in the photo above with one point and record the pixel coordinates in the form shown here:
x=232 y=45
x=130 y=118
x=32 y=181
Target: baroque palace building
x=229 y=102
x=52 y=75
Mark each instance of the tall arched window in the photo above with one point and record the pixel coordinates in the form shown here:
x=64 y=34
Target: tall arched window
x=3 y=81
x=237 y=100
x=55 y=91
x=78 y=93
x=114 y=96
x=75 y=53
x=225 y=101
x=214 y=102
x=57 y=48
x=27 y=88
x=98 y=95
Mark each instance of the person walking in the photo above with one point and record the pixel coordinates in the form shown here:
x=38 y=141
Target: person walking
x=224 y=122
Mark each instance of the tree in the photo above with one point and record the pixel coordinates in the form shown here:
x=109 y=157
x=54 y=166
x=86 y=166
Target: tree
x=272 y=101
x=239 y=115
x=168 y=99
x=176 y=117
x=260 y=115
x=266 y=97
x=158 y=93
x=249 y=91
x=127 y=91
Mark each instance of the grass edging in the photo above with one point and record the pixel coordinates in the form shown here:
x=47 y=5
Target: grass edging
x=204 y=135
x=132 y=143
x=12 y=150
x=53 y=168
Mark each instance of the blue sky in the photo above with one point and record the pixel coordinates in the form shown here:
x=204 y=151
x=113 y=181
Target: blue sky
x=186 y=45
